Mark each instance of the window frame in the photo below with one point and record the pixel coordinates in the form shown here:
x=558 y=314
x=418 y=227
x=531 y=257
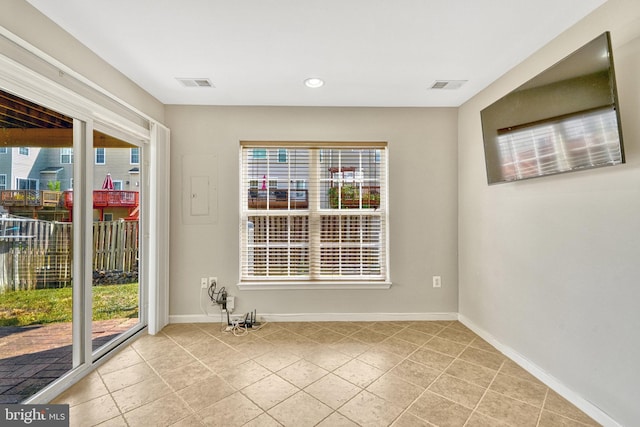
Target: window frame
x=104 y=156
x=66 y=155
x=315 y=212
x=137 y=156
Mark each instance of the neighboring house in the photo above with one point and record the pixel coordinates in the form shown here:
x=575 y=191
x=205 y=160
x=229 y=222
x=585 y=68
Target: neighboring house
x=41 y=169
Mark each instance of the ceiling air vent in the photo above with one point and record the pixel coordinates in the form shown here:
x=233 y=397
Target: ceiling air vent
x=203 y=82
x=447 y=84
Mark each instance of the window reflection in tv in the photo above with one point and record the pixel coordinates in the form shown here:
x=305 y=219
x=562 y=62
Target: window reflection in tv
x=565 y=119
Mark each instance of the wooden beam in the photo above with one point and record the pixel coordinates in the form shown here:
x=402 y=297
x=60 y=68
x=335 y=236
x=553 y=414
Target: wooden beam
x=50 y=138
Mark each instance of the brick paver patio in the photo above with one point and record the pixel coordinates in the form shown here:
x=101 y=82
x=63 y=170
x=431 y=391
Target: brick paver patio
x=34 y=356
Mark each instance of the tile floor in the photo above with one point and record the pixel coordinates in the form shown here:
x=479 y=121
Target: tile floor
x=329 y=374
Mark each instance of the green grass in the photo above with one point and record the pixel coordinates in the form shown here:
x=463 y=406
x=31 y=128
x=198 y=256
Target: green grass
x=24 y=308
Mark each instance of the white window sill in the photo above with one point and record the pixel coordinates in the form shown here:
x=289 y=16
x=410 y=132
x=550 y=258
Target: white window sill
x=303 y=285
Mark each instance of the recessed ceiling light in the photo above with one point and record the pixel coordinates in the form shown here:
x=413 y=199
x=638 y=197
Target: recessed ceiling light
x=314 y=82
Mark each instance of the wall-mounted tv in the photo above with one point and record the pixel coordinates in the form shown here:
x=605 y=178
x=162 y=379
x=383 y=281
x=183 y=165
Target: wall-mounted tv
x=565 y=119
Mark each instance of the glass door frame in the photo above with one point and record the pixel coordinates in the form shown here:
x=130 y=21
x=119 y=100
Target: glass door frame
x=88 y=115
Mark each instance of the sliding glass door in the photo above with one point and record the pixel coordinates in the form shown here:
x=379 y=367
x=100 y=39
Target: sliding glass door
x=37 y=286
x=117 y=192
x=71 y=204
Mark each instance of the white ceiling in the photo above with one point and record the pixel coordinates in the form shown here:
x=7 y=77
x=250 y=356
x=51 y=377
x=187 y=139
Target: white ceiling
x=369 y=52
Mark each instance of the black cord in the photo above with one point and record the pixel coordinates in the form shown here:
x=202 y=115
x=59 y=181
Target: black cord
x=219 y=297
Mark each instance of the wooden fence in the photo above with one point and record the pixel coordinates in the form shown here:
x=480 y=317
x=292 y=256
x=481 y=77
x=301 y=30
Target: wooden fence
x=38 y=254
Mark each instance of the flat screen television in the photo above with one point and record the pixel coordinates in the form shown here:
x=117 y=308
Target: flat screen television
x=565 y=119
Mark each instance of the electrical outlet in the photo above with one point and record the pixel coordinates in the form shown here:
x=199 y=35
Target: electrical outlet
x=212 y=280
x=203 y=283
x=231 y=302
x=437 y=281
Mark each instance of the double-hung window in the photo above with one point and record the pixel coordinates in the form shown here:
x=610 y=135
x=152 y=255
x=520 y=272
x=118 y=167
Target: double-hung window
x=66 y=156
x=317 y=219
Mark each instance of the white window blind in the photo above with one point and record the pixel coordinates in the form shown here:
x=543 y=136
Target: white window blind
x=584 y=139
x=321 y=216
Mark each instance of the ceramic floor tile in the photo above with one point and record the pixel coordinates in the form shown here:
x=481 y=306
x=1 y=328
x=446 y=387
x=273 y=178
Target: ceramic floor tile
x=550 y=419
x=559 y=405
x=152 y=346
x=476 y=374
x=415 y=373
x=173 y=357
x=479 y=420
x=164 y=411
x=205 y=392
x=300 y=410
x=395 y=390
x=123 y=359
x=351 y=346
x=244 y=374
x=325 y=336
x=345 y=328
x=457 y=335
x=269 y=391
x=457 y=390
x=413 y=336
x=89 y=388
x=397 y=346
x=380 y=358
x=410 y=420
x=327 y=358
x=359 y=373
x=386 y=328
x=367 y=409
x=432 y=359
x=206 y=347
x=440 y=411
x=302 y=373
x=483 y=358
x=332 y=390
x=511 y=368
x=233 y=411
x=127 y=376
x=508 y=410
x=93 y=412
x=190 y=421
x=337 y=420
x=276 y=360
x=441 y=345
x=183 y=376
x=368 y=336
x=194 y=375
x=519 y=389
x=481 y=344
x=263 y=420
x=426 y=327
x=138 y=394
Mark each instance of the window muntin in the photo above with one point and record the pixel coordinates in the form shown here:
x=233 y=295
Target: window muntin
x=135 y=156
x=3 y=181
x=23 y=151
x=100 y=156
x=295 y=227
x=66 y=156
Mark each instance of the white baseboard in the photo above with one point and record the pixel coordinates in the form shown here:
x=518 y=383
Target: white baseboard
x=584 y=405
x=320 y=317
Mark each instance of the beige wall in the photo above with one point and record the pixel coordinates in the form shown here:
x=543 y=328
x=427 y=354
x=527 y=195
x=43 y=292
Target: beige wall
x=423 y=205
x=550 y=267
